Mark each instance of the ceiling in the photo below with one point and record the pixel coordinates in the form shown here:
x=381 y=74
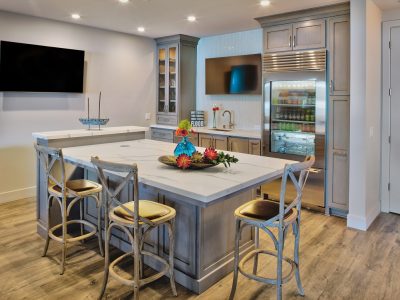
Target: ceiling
x=162 y=17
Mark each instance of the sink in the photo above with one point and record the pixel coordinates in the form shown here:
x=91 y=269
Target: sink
x=221 y=129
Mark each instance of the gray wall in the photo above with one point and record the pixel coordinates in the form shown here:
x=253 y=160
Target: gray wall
x=121 y=66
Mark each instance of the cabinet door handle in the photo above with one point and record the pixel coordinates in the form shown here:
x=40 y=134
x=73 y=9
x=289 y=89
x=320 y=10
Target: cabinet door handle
x=290 y=41
x=294 y=41
x=331 y=85
x=230 y=146
x=340 y=153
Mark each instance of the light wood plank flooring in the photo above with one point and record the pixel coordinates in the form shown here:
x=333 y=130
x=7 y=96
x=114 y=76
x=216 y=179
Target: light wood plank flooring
x=336 y=263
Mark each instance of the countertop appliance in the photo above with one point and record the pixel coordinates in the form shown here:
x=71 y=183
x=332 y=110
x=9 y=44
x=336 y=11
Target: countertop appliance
x=294 y=117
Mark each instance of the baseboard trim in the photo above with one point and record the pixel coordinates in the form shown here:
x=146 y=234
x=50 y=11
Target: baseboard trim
x=17 y=194
x=362 y=223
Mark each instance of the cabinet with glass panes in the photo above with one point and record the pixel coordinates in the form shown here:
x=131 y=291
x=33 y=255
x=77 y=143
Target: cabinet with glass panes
x=176 y=67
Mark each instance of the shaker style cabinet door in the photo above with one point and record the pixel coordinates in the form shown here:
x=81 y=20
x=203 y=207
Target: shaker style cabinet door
x=255 y=147
x=205 y=140
x=239 y=145
x=339 y=56
x=220 y=142
x=278 y=38
x=338 y=164
x=309 y=35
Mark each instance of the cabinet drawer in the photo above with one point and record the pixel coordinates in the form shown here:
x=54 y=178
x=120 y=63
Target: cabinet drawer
x=255 y=147
x=162 y=135
x=167 y=120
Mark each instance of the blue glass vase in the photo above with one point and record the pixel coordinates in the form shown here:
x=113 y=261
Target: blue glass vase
x=184 y=147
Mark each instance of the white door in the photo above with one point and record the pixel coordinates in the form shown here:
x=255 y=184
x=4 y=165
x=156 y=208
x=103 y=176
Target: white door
x=394 y=192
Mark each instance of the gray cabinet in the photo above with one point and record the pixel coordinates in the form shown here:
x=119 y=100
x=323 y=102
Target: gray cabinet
x=339 y=55
x=176 y=78
x=215 y=141
x=163 y=135
x=338 y=162
x=278 y=38
x=297 y=36
x=309 y=35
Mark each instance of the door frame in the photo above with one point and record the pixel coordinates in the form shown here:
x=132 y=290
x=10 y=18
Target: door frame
x=385 y=117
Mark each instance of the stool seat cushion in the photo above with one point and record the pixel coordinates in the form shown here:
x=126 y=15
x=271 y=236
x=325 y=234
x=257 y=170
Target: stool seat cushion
x=263 y=210
x=150 y=210
x=81 y=187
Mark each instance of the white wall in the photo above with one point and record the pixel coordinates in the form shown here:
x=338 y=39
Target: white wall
x=246 y=108
x=121 y=66
x=365 y=113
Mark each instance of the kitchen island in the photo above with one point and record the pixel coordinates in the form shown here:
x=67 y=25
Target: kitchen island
x=204 y=200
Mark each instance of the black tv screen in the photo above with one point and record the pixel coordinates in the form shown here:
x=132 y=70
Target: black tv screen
x=234 y=75
x=32 y=68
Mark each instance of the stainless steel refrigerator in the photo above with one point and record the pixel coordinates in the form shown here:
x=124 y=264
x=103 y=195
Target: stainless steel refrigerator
x=294 y=117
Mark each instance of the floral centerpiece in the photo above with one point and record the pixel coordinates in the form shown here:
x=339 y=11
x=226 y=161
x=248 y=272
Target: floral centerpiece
x=186 y=157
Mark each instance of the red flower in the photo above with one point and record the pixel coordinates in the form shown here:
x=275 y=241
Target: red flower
x=184 y=132
x=210 y=154
x=183 y=161
x=178 y=132
x=215 y=108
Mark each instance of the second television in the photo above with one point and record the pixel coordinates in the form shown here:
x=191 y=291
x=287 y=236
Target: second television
x=234 y=75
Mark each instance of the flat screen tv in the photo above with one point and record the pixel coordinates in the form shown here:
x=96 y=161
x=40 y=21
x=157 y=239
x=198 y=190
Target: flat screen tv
x=234 y=75
x=32 y=68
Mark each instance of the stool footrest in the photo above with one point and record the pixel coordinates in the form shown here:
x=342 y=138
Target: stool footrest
x=143 y=281
x=273 y=281
x=73 y=239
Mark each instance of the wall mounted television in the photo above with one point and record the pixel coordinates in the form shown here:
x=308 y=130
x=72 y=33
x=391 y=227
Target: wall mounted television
x=234 y=75
x=33 y=68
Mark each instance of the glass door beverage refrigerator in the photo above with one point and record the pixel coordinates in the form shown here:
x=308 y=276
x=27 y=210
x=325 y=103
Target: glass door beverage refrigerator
x=294 y=117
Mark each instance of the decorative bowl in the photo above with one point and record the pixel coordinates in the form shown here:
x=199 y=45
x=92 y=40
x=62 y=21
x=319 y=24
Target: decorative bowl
x=94 y=121
x=170 y=160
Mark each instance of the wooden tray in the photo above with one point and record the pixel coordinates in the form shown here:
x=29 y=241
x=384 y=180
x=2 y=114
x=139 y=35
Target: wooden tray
x=170 y=160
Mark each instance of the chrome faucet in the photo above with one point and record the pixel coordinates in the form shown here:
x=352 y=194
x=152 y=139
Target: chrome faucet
x=230 y=118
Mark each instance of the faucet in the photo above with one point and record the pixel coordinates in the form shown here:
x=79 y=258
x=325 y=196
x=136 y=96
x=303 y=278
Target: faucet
x=230 y=118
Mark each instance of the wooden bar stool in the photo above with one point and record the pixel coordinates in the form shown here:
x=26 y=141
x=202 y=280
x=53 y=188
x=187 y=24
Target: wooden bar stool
x=62 y=191
x=264 y=214
x=136 y=218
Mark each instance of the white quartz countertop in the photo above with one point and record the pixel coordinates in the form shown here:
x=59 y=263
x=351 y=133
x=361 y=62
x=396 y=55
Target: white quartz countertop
x=64 y=134
x=200 y=187
x=252 y=134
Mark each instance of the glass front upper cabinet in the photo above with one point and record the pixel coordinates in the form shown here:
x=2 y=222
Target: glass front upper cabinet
x=162 y=105
x=293 y=117
x=172 y=79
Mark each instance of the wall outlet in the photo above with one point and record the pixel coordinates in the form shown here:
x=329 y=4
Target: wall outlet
x=147 y=116
x=371 y=131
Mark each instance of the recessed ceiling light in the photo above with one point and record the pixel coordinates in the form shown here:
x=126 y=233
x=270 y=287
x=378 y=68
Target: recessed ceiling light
x=265 y=2
x=140 y=29
x=123 y=1
x=75 y=16
x=191 y=18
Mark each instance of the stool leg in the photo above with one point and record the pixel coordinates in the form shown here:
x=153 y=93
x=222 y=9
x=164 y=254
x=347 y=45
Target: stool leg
x=99 y=231
x=81 y=217
x=142 y=236
x=279 y=264
x=64 y=236
x=236 y=260
x=46 y=246
x=296 y=231
x=136 y=264
x=106 y=260
x=171 y=233
x=256 y=246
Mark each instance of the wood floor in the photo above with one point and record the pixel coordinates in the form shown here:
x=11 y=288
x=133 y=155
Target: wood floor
x=336 y=263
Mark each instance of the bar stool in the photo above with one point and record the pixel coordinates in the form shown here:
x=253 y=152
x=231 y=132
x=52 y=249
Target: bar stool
x=264 y=214
x=136 y=218
x=67 y=194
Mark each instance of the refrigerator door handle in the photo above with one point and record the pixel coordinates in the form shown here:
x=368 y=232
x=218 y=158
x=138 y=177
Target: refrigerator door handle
x=290 y=40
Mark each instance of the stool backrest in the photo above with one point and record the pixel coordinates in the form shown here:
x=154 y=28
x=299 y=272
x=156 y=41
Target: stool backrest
x=299 y=183
x=50 y=159
x=129 y=172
